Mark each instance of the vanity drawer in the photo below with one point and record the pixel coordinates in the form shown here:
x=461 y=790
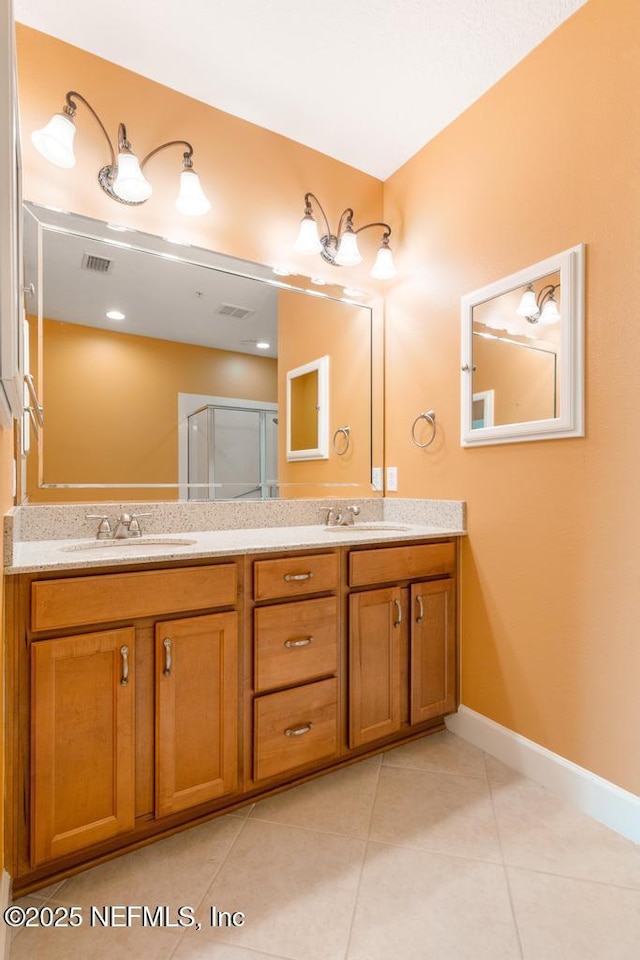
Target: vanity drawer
x=295 y=642
x=108 y=597
x=295 y=576
x=390 y=564
x=295 y=727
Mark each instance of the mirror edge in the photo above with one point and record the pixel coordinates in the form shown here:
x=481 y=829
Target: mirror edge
x=571 y=264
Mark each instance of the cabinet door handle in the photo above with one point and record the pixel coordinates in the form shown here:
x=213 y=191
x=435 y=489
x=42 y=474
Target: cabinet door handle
x=168 y=661
x=289 y=577
x=397 y=622
x=298 y=731
x=420 y=616
x=124 y=653
x=303 y=642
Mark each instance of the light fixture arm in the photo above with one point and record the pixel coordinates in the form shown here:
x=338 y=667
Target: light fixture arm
x=308 y=210
x=186 y=156
x=378 y=223
x=71 y=108
x=547 y=293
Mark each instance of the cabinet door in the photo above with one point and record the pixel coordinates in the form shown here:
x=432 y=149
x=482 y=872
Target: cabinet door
x=376 y=642
x=82 y=723
x=196 y=710
x=433 y=650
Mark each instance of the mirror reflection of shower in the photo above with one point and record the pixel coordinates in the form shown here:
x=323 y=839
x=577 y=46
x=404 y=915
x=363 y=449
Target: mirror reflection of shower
x=233 y=452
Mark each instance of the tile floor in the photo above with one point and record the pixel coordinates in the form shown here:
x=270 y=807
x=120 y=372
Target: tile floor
x=434 y=851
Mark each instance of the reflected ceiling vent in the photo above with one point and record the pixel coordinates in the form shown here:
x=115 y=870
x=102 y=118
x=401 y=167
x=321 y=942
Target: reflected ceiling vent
x=232 y=310
x=96 y=264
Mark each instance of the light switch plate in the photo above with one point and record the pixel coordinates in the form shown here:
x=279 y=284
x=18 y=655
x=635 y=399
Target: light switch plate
x=377 y=478
x=392 y=478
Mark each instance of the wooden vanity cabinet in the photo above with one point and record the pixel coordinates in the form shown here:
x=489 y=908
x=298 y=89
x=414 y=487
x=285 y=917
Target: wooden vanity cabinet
x=402 y=639
x=145 y=699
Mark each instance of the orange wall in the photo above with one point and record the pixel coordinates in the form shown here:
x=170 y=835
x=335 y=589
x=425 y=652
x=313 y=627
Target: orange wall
x=548 y=158
x=112 y=403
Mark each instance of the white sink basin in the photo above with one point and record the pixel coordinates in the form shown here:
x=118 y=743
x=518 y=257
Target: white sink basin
x=147 y=542
x=374 y=525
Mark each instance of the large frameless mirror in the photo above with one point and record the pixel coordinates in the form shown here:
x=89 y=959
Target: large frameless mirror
x=162 y=370
x=522 y=354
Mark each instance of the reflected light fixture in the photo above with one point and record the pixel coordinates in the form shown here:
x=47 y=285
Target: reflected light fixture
x=123 y=178
x=341 y=248
x=542 y=308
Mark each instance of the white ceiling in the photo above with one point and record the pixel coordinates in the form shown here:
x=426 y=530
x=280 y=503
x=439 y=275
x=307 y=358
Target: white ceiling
x=368 y=82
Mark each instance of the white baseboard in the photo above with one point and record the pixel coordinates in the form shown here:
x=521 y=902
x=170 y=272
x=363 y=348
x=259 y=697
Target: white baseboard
x=5 y=900
x=602 y=800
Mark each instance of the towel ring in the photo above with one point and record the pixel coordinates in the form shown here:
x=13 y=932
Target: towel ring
x=345 y=431
x=430 y=417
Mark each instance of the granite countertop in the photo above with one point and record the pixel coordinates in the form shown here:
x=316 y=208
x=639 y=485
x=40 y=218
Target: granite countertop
x=79 y=554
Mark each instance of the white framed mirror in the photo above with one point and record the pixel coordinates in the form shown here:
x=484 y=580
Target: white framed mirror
x=308 y=411
x=523 y=354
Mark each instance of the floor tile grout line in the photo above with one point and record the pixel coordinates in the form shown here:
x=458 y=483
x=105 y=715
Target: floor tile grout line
x=504 y=865
x=442 y=773
x=364 y=857
x=435 y=852
x=572 y=877
x=223 y=860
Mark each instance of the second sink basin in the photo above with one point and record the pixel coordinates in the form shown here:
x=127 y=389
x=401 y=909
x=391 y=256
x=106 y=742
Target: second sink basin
x=153 y=542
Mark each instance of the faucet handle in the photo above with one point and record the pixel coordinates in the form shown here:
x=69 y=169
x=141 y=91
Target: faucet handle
x=104 y=530
x=333 y=518
x=134 y=525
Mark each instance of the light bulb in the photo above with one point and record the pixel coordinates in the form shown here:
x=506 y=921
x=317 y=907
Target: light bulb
x=55 y=141
x=383 y=268
x=528 y=306
x=130 y=184
x=348 y=254
x=550 y=312
x=308 y=241
x=191 y=199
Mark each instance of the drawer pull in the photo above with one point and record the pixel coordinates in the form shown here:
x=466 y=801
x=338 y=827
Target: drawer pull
x=420 y=616
x=168 y=660
x=124 y=653
x=298 y=731
x=289 y=577
x=303 y=642
x=397 y=622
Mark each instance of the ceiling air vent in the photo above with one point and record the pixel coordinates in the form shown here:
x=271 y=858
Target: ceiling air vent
x=231 y=310
x=96 y=264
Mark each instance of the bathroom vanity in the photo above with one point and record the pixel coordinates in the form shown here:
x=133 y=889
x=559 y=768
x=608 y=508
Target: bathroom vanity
x=155 y=685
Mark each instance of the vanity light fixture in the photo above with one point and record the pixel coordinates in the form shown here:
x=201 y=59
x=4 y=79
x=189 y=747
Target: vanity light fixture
x=123 y=178
x=542 y=308
x=341 y=248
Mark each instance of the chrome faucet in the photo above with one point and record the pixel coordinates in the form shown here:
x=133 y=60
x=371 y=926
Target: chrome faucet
x=127 y=525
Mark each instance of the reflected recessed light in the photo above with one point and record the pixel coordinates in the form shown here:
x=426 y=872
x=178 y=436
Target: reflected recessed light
x=262 y=345
x=180 y=243
x=351 y=292
x=319 y=281
x=115 y=315
x=281 y=272
x=118 y=227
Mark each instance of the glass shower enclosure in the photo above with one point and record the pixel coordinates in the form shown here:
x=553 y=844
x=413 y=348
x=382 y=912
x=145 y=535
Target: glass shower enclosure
x=232 y=453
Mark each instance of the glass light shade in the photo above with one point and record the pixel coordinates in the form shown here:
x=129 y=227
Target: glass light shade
x=308 y=241
x=383 y=267
x=528 y=306
x=130 y=183
x=191 y=199
x=55 y=141
x=348 y=254
x=549 y=312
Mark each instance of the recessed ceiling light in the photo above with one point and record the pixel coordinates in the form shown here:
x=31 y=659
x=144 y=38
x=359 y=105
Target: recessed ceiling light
x=319 y=281
x=262 y=345
x=116 y=226
x=115 y=315
x=351 y=292
x=281 y=272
